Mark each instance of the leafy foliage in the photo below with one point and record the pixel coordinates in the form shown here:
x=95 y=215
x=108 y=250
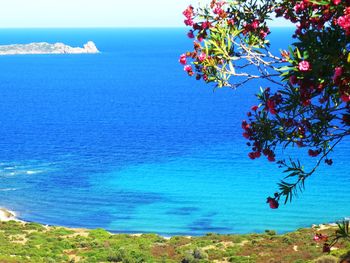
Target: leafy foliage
x=308 y=104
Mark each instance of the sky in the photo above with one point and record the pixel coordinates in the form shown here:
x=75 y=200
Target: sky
x=94 y=13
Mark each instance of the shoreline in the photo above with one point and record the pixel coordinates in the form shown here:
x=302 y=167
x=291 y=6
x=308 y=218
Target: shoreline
x=63 y=244
x=9 y=215
x=66 y=244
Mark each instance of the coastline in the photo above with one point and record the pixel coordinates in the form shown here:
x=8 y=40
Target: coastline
x=8 y=215
x=64 y=244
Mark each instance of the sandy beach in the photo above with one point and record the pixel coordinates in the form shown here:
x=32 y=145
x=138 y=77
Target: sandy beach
x=7 y=215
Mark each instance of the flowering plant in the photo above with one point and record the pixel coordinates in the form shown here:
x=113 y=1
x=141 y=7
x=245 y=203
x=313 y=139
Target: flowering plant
x=308 y=103
x=342 y=233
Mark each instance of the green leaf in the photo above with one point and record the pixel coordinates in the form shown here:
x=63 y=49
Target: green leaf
x=291 y=52
x=298 y=53
x=321 y=2
x=285 y=68
x=284 y=74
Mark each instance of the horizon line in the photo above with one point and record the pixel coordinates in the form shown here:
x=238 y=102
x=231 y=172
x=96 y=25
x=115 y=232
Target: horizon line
x=124 y=27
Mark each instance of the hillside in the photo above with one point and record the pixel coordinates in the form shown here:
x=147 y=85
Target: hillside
x=31 y=242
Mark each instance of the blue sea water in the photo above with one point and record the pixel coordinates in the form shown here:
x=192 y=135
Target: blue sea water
x=124 y=140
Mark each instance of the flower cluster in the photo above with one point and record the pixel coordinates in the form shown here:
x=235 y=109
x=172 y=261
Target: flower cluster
x=252 y=132
x=308 y=103
x=212 y=59
x=188 y=13
x=315 y=15
x=273 y=201
x=318 y=237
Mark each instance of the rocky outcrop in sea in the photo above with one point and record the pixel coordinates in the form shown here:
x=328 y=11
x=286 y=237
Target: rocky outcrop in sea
x=47 y=48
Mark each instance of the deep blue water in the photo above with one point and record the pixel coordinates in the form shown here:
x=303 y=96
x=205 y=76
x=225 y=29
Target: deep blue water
x=125 y=141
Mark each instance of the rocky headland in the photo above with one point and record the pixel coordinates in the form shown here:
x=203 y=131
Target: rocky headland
x=47 y=48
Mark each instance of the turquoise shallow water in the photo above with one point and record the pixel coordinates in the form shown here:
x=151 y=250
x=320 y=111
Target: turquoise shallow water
x=125 y=141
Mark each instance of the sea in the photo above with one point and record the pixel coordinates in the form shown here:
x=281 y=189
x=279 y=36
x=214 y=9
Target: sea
x=124 y=140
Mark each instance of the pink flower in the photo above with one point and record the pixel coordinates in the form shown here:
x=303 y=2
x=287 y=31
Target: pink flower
x=299 y=7
x=188 y=22
x=231 y=22
x=218 y=8
x=190 y=34
x=338 y=71
x=254 y=155
x=245 y=125
x=272 y=202
x=255 y=24
x=263 y=34
x=271 y=158
x=306 y=102
x=255 y=108
x=304 y=66
x=345 y=98
x=344 y=21
x=188 y=13
x=314 y=153
x=336 y=2
x=188 y=68
x=320 y=237
x=206 y=25
x=202 y=57
x=182 y=59
x=271 y=105
x=219 y=11
x=246 y=135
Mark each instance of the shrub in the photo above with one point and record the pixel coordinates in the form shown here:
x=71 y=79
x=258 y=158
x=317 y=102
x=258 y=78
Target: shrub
x=326 y=259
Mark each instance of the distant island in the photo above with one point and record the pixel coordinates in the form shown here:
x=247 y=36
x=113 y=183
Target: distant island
x=47 y=48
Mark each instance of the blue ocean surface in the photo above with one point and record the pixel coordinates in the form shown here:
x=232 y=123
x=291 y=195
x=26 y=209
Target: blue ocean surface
x=124 y=140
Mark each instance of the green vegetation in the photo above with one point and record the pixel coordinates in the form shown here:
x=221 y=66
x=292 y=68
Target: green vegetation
x=30 y=242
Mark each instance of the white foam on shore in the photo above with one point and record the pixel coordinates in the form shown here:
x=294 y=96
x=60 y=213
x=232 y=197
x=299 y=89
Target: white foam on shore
x=7 y=215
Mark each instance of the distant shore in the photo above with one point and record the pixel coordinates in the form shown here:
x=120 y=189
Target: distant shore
x=40 y=48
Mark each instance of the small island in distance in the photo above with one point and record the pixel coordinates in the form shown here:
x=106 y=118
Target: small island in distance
x=47 y=48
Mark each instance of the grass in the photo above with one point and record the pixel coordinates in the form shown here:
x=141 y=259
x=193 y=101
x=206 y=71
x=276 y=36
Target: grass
x=30 y=242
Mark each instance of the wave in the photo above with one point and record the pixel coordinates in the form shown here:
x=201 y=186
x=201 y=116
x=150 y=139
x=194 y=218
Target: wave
x=26 y=168
x=33 y=172
x=8 y=189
